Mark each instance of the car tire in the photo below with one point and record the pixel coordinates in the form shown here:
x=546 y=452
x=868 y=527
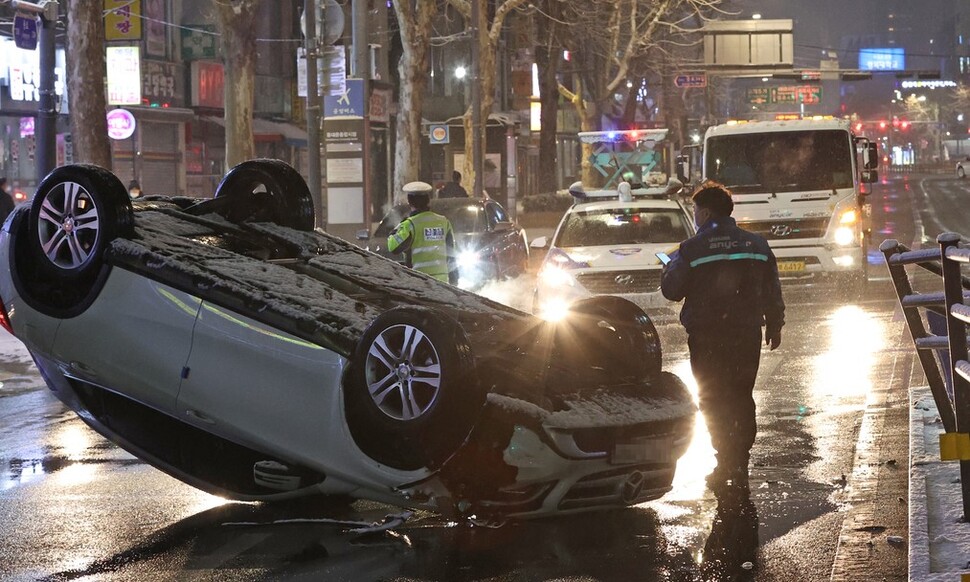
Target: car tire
x=75 y=214
x=265 y=190
x=612 y=337
x=397 y=420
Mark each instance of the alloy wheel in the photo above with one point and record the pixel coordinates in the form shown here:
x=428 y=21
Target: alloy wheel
x=68 y=225
x=403 y=372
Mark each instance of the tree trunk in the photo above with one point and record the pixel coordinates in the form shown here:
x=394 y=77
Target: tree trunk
x=548 y=51
x=237 y=22
x=589 y=120
x=489 y=36
x=414 y=19
x=85 y=78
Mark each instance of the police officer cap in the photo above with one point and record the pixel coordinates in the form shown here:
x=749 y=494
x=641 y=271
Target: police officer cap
x=418 y=188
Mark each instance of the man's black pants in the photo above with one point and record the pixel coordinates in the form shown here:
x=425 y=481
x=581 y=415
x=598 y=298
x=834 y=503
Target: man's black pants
x=725 y=365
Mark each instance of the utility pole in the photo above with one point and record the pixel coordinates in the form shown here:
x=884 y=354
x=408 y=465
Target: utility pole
x=476 y=128
x=311 y=45
x=47 y=106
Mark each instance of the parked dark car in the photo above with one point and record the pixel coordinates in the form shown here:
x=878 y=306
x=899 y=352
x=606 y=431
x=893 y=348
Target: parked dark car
x=491 y=246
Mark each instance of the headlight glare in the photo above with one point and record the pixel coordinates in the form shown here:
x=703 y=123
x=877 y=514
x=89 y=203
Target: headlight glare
x=844 y=236
x=468 y=258
x=555 y=276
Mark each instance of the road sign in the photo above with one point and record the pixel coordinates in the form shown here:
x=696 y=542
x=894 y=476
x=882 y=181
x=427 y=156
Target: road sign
x=691 y=81
x=350 y=103
x=25 y=31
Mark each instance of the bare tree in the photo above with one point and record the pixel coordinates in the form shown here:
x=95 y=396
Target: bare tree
x=548 y=55
x=414 y=20
x=607 y=38
x=237 y=24
x=85 y=79
x=493 y=14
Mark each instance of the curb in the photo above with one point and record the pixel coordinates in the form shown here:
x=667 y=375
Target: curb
x=924 y=502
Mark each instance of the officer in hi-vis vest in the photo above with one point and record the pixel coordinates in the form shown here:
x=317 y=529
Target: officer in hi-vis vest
x=426 y=238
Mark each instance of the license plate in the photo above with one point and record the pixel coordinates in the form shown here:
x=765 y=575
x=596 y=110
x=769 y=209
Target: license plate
x=791 y=266
x=642 y=450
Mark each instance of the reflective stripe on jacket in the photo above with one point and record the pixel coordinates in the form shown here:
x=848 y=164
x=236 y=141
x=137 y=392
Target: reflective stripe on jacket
x=728 y=278
x=428 y=240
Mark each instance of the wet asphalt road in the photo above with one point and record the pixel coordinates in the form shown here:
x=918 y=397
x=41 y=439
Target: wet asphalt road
x=827 y=491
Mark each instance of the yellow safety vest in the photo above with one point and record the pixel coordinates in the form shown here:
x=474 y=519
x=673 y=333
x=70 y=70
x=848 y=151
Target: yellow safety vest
x=428 y=240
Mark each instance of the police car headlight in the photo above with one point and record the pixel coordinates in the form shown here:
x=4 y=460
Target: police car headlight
x=554 y=309
x=844 y=236
x=468 y=259
x=555 y=276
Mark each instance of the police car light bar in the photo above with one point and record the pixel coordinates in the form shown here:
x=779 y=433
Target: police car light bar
x=623 y=135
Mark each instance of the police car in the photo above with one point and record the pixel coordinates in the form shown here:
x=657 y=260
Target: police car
x=606 y=244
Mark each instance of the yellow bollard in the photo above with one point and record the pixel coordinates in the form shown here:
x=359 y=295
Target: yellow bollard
x=955 y=446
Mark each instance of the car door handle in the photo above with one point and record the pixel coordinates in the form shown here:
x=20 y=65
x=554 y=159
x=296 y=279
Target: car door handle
x=199 y=416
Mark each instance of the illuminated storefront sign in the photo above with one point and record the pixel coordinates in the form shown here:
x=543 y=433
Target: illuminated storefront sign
x=882 y=59
x=121 y=124
x=20 y=72
x=124 y=75
x=122 y=19
x=207 y=85
x=936 y=84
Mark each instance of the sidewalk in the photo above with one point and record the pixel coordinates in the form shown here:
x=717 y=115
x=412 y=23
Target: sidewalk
x=939 y=539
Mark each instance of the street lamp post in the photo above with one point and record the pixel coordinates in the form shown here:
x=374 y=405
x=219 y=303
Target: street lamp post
x=47 y=106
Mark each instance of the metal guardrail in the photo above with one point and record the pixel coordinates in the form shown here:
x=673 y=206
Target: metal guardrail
x=946 y=262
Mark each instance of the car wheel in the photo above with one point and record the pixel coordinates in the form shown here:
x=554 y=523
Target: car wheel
x=265 y=190
x=76 y=212
x=612 y=336
x=411 y=393
x=961 y=173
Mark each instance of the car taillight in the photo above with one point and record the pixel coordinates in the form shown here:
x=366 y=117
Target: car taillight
x=4 y=319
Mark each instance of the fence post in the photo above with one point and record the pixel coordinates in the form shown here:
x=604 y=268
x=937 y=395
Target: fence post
x=957 y=337
x=916 y=330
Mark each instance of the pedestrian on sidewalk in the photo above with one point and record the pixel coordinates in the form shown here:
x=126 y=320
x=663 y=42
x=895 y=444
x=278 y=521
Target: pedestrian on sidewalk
x=6 y=199
x=453 y=189
x=728 y=279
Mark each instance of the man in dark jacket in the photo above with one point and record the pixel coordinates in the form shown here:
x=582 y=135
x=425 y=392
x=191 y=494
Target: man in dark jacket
x=454 y=188
x=728 y=279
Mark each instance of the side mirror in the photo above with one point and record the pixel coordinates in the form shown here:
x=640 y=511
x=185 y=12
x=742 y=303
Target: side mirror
x=869 y=176
x=363 y=234
x=539 y=242
x=503 y=226
x=870 y=156
x=683 y=169
x=577 y=191
x=674 y=185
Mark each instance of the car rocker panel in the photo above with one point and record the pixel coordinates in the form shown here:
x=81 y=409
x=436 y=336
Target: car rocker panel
x=228 y=344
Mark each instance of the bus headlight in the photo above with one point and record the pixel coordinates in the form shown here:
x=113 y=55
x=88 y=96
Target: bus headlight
x=849 y=217
x=844 y=236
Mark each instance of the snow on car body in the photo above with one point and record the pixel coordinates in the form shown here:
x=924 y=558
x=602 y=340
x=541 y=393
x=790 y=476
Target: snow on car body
x=607 y=245
x=230 y=345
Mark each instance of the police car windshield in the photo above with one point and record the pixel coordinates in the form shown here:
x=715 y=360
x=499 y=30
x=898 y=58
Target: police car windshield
x=622 y=226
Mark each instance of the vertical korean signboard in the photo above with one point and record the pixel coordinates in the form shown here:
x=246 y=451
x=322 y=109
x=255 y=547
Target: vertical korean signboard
x=122 y=20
